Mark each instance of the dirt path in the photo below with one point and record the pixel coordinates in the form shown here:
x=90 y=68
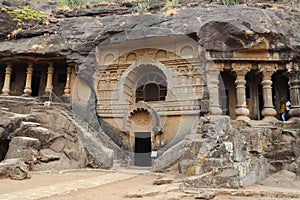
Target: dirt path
x=118 y=185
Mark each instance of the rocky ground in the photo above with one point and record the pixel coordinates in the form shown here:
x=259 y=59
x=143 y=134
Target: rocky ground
x=137 y=184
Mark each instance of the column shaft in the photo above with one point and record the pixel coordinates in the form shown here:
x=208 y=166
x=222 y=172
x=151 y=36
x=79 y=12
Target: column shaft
x=267 y=70
x=27 y=89
x=49 y=85
x=67 y=90
x=213 y=72
x=6 y=85
x=241 y=69
x=295 y=91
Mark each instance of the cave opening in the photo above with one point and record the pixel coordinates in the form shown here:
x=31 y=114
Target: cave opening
x=4 y=144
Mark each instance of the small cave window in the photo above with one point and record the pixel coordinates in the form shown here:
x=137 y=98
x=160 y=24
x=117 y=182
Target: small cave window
x=152 y=88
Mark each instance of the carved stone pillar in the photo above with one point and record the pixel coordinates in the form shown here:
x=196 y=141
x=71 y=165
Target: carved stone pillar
x=27 y=89
x=294 y=82
x=241 y=69
x=49 y=85
x=267 y=70
x=213 y=72
x=6 y=85
x=67 y=90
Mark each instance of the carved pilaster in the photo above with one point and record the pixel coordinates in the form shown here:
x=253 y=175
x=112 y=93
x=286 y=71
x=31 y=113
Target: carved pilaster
x=294 y=75
x=6 y=86
x=27 y=89
x=213 y=72
x=241 y=69
x=267 y=69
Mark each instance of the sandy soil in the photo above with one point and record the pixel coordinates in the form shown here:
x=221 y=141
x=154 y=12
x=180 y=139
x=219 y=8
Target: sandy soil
x=139 y=187
x=45 y=179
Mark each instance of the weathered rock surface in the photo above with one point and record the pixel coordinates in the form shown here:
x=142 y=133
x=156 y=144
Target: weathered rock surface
x=14 y=168
x=44 y=139
x=205 y=195
x=225 y=155
x=25 y=148
x=215 y=27
x=7 y=25
x=230 y=156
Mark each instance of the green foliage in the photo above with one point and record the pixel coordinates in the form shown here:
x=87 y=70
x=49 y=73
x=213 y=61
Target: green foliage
x=144 y=5
x=26 y=17
x=171 y=3
x=78 y=3
x=230 y=2
x=70 y=3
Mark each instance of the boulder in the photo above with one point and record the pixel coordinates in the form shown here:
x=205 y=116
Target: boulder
x=33 y=130
x=25 y=148
x=14 y=168
x=205 y=195
x=219 y=178
x=47 y=155
x=163 y=180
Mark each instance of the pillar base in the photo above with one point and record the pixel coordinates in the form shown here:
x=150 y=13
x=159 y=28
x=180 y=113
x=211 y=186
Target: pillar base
x=65 y=98
x=295 y=112
x=46 y=97
x=5 y=94
x=242 y=112
x=242 y=118
x=269 y=112
x=270 y=119
x=215 y=111
x=25 y=95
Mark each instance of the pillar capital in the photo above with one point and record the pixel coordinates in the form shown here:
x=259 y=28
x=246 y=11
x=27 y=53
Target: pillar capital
x=50 y=67
x=267 y=69
x=241 y=68
x=214 y=67
x=8 y=68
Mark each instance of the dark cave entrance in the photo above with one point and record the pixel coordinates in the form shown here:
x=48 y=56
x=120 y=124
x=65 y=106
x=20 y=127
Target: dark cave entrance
x=142 y=149
x=36 y=78
x=4 y=144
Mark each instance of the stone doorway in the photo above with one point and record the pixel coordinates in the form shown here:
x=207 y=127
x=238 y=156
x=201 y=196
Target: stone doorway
x=142 y=149
x=36 y=79
x=4 y=144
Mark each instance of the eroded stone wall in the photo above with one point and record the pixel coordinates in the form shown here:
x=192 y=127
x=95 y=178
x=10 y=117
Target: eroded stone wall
x=226 y=154
x=43 y=138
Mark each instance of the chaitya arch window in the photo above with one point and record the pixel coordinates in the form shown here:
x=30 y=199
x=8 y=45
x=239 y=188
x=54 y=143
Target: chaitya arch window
x=151 y=87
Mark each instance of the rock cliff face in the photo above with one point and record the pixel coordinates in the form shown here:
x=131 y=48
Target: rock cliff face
x=48 y=140
x=75 y=34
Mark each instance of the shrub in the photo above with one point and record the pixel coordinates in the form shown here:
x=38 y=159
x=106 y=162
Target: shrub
x=143 y=6
x=26 y=17
x=78 y=3
x=230 y=2
x=171 y=3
